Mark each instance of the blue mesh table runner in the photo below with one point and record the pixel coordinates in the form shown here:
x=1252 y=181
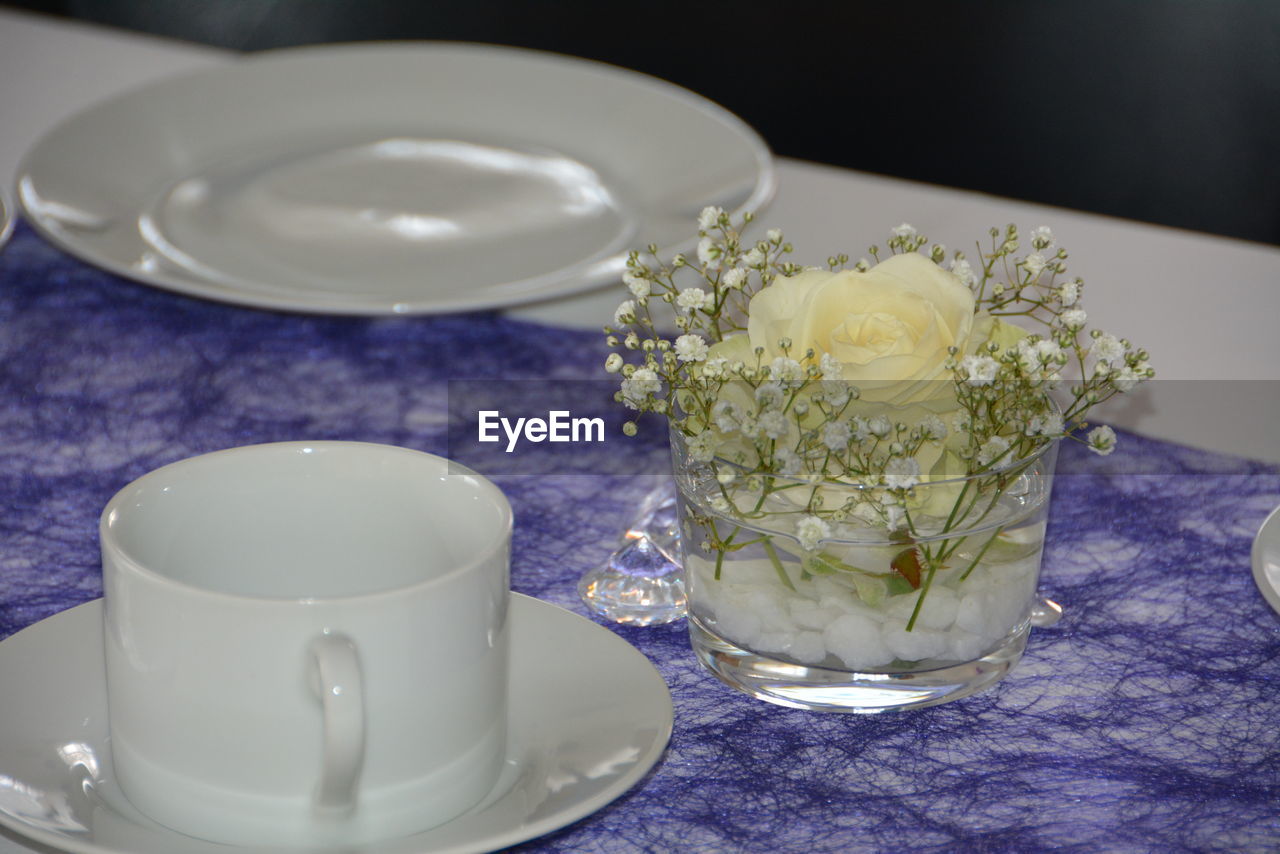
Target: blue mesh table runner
x=1147 y=720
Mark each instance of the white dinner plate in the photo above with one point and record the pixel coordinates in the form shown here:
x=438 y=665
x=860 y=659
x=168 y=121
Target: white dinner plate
x=1266 y=559
x=389 y=178
x=589 y=717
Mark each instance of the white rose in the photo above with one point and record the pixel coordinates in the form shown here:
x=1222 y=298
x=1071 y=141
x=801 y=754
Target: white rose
x=889 y=327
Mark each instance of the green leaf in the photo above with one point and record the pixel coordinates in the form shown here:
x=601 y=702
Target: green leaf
x=826 y=564
x=907 y=564
x=870 y=590
x=897 y=584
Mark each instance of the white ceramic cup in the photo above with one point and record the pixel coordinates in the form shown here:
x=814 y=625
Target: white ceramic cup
x=306 y=642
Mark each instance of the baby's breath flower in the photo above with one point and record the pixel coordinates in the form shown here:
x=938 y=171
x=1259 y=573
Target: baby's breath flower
x=1035 y=355
x=879 y=426
x=702 y=447
x=640 y=386
x=933 y=428
x=710 y=217
x=810 y=531
x=835 y=435
x=708 y=252
x=735 y=278
x=1107 y=348
x=1102 y=440
x=786 y=370
x=901 y=473
x=1033 y=264
x=692 y=299
x=963 y=271
x=831 y=367
x=613 y=363
x=836 y=393
x=725 y=415
x=789 y=462
x=774 y=235
x=1074 y=318
x=773 y=424
x=754 y=258
x=1068 y=293
x=1125 y=379
x=1041 y=237
x=992 y=450
x=639 y=286
x=769 y=395
x=691 y=348
x=626 y=313
x=714 y=369
x=979 y=370
x=904 y=230
x=1049 y=424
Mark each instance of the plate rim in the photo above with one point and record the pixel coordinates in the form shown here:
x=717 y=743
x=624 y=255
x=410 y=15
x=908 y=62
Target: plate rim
x=1269 y=592
x=594 y=275
x=587 y=806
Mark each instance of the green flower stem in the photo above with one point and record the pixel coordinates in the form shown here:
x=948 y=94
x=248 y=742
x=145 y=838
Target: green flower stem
x=951 y=517
x=995 y=499
x=723 y=545
x=924 y=591
x=981 y=552
x=777 y=565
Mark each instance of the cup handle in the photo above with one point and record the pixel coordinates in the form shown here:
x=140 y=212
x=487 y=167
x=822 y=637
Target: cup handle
x=338 y=684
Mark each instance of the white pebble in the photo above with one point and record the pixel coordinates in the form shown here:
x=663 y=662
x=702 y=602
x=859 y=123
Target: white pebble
x=808 y=648
x=848 y=605
x=774 y=642
x=939 y=608
x=969 y=614
x=900 y=607
x=1006 y=606
x=811 y=615
x=738 y=625
x=916 y=644
x=857 y=642
x=965 y=646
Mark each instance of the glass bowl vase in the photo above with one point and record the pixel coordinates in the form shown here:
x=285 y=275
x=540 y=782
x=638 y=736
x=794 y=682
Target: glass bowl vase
x=908 y=598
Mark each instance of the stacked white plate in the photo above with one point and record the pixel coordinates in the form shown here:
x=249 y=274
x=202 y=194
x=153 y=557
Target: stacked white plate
x=389 y=178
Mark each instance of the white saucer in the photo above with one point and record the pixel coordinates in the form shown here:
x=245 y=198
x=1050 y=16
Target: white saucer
x=589 y=717
x=389 y=178
x=1266 y=559
x=6 y=220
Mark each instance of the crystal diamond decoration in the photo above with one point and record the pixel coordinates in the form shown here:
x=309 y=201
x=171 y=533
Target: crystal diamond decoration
x=642 y=582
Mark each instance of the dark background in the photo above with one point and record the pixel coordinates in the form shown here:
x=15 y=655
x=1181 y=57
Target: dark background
x=1166 y=111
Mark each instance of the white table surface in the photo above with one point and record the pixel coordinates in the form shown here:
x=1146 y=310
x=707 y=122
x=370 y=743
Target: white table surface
x=1205 y=307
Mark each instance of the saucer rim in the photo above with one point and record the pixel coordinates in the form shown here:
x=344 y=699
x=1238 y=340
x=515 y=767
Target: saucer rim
x=561 y=818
